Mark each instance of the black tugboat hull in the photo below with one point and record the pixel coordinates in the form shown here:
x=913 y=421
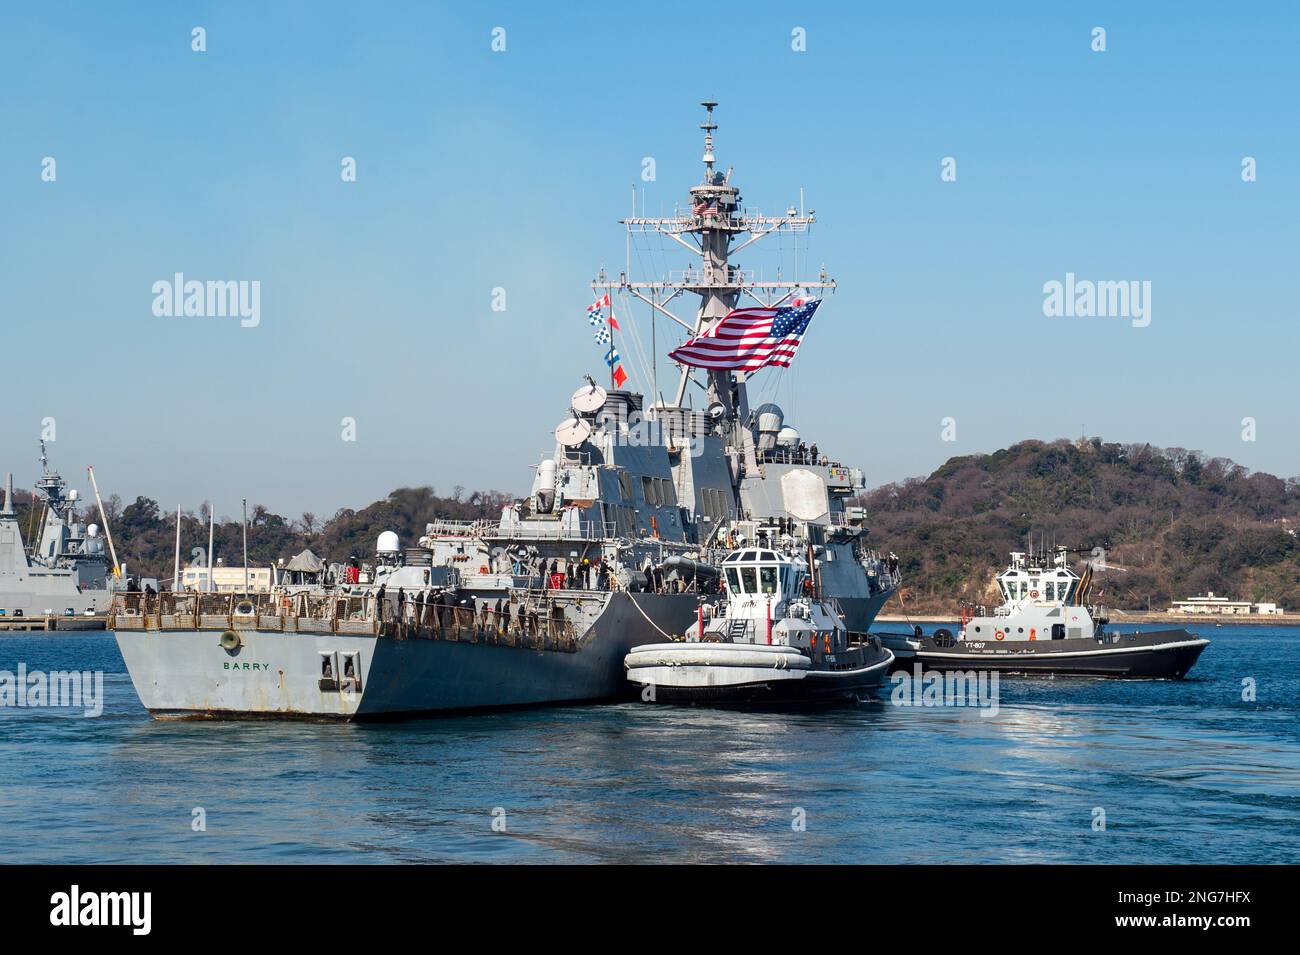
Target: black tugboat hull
x=1159 y=655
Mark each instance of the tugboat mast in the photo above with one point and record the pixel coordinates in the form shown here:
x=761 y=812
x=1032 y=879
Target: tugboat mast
x=713 y=231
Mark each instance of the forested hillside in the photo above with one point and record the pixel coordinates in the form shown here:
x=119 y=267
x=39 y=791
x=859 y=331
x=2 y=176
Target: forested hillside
x=1172 y=522
x=146 y=538
x=1176 y=522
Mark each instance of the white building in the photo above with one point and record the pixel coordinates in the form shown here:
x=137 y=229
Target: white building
x=228 y=580
x=1222 y=606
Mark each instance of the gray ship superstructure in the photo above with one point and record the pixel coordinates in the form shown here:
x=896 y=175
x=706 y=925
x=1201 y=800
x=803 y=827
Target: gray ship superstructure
x=615 y=546
x=67 y=572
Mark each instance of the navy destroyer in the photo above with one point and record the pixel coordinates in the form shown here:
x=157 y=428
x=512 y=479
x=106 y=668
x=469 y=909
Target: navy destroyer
x=1046 y=624
x=67 y=572
x=614 y=547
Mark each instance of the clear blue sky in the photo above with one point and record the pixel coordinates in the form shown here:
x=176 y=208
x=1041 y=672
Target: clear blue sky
x=478 y=169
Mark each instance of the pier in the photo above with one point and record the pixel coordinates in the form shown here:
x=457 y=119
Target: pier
x=49 y=622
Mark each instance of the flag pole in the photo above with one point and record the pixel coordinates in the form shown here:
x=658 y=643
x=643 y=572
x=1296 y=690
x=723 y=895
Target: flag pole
x=176 y=566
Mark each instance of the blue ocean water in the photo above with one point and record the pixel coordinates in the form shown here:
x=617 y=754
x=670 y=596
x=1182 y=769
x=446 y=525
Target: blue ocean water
x=1185 y=772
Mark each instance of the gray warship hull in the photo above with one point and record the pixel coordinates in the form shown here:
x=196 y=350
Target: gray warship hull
x=860 y=613
x=185 y=673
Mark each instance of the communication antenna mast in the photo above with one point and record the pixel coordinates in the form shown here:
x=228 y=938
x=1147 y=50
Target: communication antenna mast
x=714 y=230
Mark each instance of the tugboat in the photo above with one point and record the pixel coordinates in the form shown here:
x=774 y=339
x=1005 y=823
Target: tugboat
x=775 y=639
x=1045 y=625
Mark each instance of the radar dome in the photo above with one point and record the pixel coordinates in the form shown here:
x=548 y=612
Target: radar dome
x=388 y=543
x=788 y=438
x=770 y=419
x=92 y=530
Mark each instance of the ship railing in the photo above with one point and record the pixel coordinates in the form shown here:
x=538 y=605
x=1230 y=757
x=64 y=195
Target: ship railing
x=281 y=611
x=524 y=625
x=587 y=530
x=519 y=627
x=448 y=528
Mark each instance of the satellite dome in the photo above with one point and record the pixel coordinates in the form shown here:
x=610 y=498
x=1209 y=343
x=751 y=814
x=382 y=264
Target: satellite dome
x=92 y=530
x=770 y=418
x=388 y=543
x=787 y=437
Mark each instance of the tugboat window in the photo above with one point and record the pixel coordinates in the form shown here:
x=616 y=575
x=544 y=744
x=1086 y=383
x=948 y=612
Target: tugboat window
x=769 y=579
x=750 y=580
x=733 y=580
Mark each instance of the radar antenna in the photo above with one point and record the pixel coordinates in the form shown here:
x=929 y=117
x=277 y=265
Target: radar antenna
x=715 y=229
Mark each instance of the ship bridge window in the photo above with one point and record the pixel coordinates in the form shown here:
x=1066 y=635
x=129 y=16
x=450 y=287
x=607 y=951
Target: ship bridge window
x=767 y=576
x=749 y=580
x=747 y=555
x=733 y=580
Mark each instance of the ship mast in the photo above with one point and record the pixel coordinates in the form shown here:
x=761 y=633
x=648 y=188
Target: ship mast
x=715 y=229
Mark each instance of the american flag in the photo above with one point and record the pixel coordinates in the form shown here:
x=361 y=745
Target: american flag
x=748 y=339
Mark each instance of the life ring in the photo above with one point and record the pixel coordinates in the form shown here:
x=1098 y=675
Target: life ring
x=999 y=635
x=483 y=569
x=1033 y=594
